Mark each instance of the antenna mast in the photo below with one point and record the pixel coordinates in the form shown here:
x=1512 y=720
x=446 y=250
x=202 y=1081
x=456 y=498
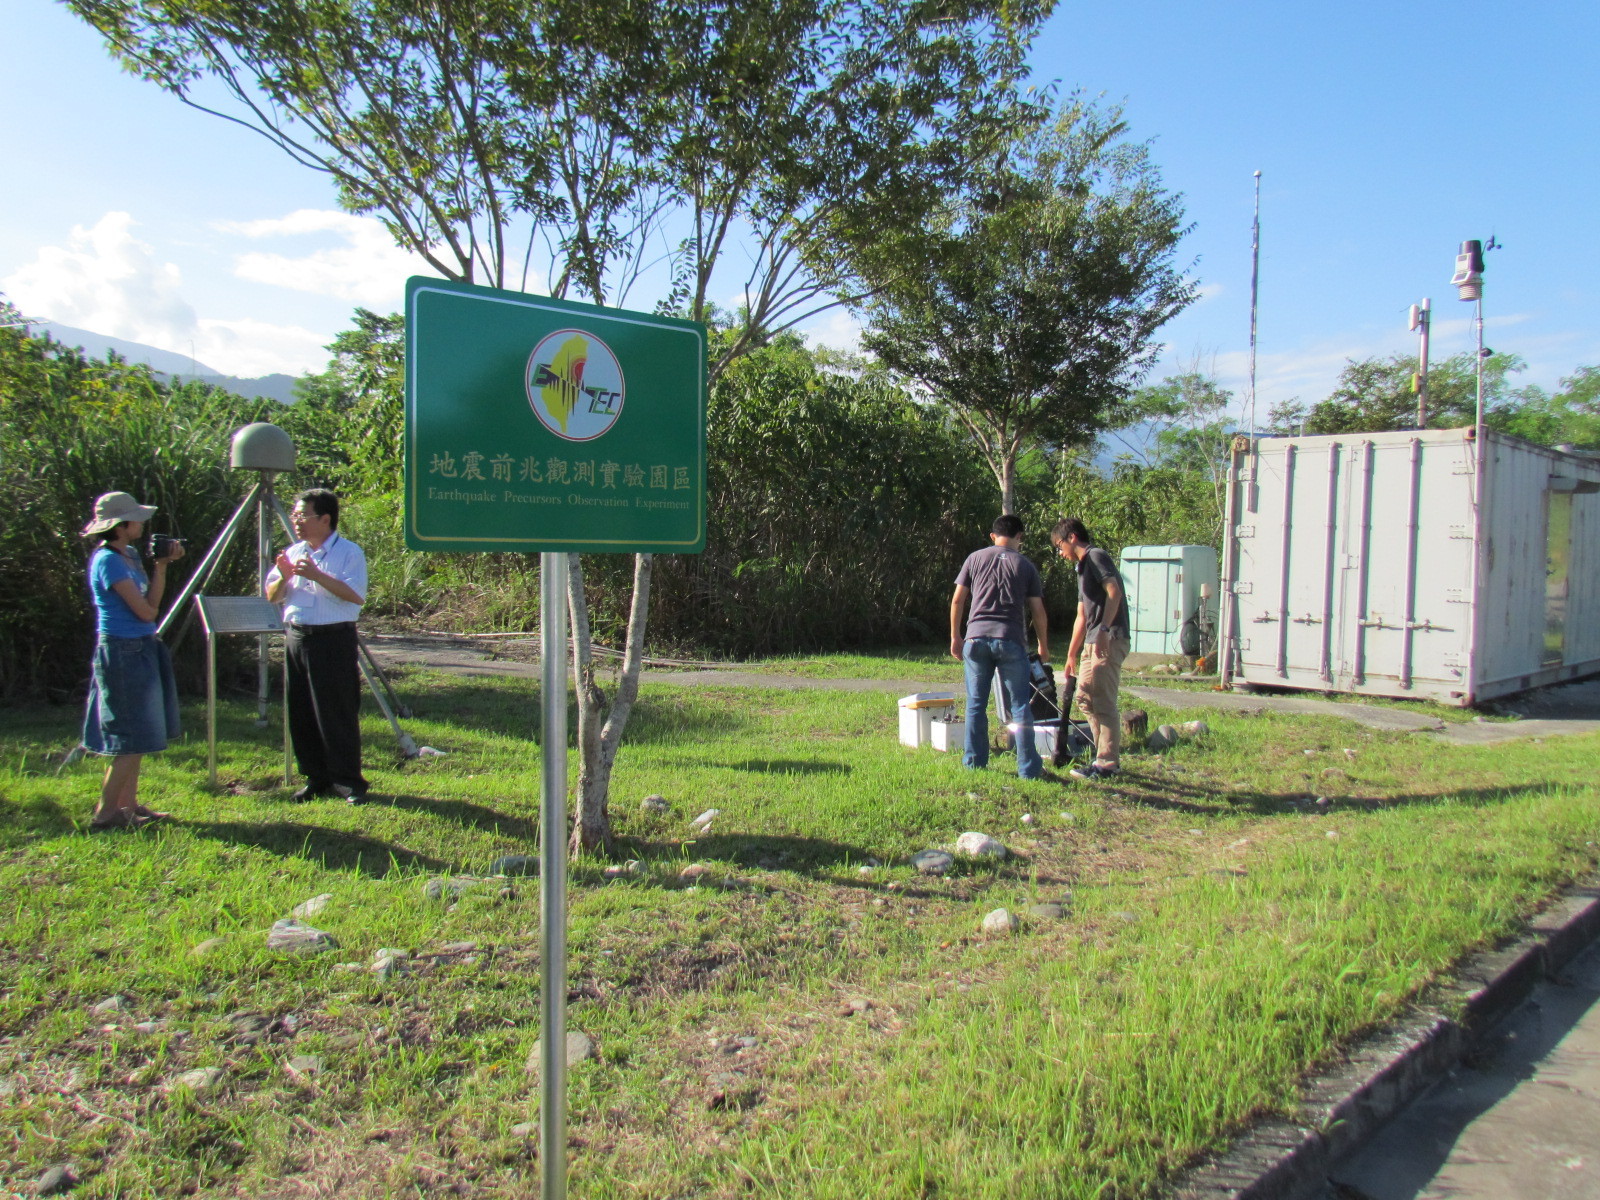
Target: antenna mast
x=1255 y=282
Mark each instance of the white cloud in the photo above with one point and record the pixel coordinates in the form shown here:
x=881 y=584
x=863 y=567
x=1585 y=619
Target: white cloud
x=838 y=330
x=1208 y=291
x=108 y=281
x=248 y=348
x=365 y=267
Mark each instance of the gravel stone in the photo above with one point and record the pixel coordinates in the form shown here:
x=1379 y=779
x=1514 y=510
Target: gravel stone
x=655 y=804
x=1000 y=921
x=933 y=862
x=311 y=907
x=306 y=1065
x=448 y=887
x=979 y=845
x=580 y=1048
x=111 y=1004
x=515 y=864
x=200 y=1080
x=1048 y=911
x=707 y=817
x=290 y=934
x=59 y=1178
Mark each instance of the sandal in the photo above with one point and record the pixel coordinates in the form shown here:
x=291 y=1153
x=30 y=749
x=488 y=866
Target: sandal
x=117 y=820
x=145 y=815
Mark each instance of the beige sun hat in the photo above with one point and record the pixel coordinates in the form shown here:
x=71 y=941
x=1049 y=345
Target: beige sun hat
x=113 y=509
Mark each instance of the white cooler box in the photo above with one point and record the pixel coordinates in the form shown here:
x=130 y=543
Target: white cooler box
x=1045 y=734
x=917 y=714
x=948 y=733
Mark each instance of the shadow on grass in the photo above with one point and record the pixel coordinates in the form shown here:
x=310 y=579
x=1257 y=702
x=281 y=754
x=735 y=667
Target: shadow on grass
x=462 y=813
x=493 y=709
x=765 y=851
x=335 y=849
x=1198 y=800
x=790 y=766
x=32 y=820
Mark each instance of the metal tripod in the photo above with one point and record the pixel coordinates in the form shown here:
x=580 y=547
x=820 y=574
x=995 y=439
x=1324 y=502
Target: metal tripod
x=263 y=501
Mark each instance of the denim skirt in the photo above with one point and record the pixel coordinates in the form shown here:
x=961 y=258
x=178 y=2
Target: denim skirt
x=133 y=697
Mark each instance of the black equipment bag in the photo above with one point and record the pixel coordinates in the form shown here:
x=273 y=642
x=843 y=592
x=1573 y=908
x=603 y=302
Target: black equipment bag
x=1042 y=700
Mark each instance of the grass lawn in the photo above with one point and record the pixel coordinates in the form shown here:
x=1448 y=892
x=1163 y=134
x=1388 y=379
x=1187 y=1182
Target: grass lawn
x=811 y=1019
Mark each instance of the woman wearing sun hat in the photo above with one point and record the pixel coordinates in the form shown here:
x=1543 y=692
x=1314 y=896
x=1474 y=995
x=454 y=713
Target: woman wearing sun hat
x=133 y=698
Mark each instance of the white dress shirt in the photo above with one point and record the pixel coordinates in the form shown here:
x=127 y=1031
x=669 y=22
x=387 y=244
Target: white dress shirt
x=308 y=603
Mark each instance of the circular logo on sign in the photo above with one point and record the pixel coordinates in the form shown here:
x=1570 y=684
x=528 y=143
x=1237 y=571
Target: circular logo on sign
x=575 y=385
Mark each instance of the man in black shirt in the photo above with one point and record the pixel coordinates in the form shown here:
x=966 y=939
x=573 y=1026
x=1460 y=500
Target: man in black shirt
x=1100 y=642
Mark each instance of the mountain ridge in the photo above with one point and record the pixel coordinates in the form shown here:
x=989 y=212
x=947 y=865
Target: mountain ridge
x=169 y=365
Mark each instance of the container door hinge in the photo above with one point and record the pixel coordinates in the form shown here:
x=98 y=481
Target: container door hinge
x=1242 y=587
x=1461 y=533
x=1455 y=595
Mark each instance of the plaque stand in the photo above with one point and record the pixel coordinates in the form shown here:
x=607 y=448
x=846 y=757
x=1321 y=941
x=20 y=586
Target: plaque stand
x=238 y=614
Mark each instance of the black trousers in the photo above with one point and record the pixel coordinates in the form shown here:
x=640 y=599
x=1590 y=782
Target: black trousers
x=325 y=704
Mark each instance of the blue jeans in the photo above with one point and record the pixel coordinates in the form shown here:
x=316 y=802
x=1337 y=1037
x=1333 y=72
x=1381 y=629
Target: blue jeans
x=982 y=657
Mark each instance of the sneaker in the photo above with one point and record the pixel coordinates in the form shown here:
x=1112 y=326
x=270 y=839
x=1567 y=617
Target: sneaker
x=350 y=795
x=1092 y=772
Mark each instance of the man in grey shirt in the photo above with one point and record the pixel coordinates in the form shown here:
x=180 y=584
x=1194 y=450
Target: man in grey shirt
x=1002 y=587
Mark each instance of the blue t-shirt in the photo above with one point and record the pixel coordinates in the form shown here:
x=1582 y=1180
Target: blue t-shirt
x=113 y=617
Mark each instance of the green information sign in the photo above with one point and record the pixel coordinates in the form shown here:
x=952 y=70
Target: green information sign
x=545 y=425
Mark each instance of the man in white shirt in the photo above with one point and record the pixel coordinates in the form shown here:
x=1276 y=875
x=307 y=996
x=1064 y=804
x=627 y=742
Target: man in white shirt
x=321 y=582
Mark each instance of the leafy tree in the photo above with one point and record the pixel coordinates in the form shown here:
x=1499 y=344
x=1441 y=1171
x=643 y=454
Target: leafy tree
x=355 y=410
x=1375 y=394
x=478 y=132
x=1186 y=436
x=1030 y=306
x=1570 y=416
x=71 y=428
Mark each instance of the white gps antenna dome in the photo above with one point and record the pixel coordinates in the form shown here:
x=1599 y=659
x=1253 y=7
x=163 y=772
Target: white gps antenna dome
x=262 y=447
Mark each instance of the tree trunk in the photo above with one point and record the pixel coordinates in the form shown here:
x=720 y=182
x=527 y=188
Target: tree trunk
x=599 y=730
x=1008 y=483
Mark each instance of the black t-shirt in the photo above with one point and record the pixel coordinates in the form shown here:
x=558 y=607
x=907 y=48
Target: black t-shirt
x=1095 y=569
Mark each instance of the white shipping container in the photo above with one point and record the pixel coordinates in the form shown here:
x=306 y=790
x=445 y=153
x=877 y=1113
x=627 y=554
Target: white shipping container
x=1382 y=563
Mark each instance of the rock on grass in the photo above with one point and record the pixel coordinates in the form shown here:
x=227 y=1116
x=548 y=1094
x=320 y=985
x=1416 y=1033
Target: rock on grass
x=1000 y=921
x=290 y=934
x=979 y=845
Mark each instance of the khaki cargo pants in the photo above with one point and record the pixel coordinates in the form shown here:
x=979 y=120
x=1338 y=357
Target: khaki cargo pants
x=1099 y=678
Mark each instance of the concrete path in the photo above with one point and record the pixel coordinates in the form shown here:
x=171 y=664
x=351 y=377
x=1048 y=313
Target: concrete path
x=1552 y=712
x=1521 y=1123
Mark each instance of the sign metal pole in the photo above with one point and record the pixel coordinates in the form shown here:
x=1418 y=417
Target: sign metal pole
x=553 y=875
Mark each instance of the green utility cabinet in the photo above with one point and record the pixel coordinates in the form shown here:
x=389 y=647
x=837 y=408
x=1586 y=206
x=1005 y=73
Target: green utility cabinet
x=1172 y=597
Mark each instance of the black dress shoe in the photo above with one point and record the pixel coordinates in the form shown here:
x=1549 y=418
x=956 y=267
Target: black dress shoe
x=310 y=792
x=350 y=795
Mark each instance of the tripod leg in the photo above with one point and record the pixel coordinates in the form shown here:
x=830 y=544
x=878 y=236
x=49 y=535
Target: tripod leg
x=207 y=568
x=377 y=669
x=408 y=747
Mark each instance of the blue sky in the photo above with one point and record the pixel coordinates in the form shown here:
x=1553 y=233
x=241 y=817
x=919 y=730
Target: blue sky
x=1385 y=134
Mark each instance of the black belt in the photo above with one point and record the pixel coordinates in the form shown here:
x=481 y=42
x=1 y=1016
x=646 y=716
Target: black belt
x=310 y=629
